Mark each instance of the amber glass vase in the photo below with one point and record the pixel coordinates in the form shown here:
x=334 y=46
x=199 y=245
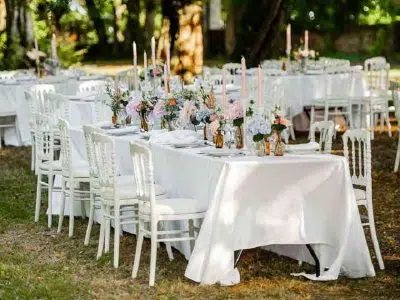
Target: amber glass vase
x=219 y=139
x=144 y=126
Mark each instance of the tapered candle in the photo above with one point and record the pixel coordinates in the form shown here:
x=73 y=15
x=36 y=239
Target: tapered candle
x=37 y=55
x=306 y=41
x=153 y=51
x=165 y=79
x=53 y=46
x=168 y=58
x=259 y=88
x=244 y=85
x=288 y=39
x=224 y=97
x=135 y=69
x=145 y=66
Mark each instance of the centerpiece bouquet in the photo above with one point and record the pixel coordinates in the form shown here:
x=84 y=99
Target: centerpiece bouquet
x=279 y=124
x=118 y=100
x=143 y=104
x=235 y=113
x=51 y=66
x=259 y=129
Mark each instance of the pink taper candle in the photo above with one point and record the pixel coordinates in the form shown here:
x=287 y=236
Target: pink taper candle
x=153 y=51
x=244 y=85
x=135 y=78
x=165 y=79
x=306 y=41
x=145 y=65
x=224 y=98
x=53 y=46
x=288 y=39
x=168 y=58
x=259 y=87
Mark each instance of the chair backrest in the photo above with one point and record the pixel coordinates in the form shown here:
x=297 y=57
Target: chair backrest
x=66 y=145
x=144 y=173
x=41 y=102
x=104 y=154
x=44 y=137
x=88 y=131
x=91 y=87
x=331 y=89
x=378 y=79
x=357 y=150
x=126 y=79
x=232 y=71
x=326 y=130
x=368 y=63
x=7 y=75
x=273 y=91
x=396 y=100
x=58 y=105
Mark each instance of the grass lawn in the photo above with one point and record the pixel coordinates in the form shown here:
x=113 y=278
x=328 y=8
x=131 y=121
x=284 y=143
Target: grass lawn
x=37 y=263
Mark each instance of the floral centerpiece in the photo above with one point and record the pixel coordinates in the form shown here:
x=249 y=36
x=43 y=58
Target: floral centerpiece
x=278 y=125
x=235 y=113
x=259 y=129
x=51 y=66
x=118 y=100
x=143 y=104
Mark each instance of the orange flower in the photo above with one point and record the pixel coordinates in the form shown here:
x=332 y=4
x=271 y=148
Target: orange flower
x=172 y=102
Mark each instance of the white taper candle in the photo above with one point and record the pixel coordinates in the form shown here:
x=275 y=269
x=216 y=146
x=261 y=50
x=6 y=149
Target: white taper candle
x=153 y=51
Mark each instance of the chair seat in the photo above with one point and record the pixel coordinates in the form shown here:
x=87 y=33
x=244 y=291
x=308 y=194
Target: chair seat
x=175 y=206
x=361 y=196
x=55 y=165
x=127 y=190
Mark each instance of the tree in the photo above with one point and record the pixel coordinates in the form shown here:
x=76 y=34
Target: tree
x=132 y=31
x=99 y=25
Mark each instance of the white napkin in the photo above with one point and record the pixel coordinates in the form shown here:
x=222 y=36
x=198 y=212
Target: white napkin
x=175 y=137
x=121 y=131
x=309 y=147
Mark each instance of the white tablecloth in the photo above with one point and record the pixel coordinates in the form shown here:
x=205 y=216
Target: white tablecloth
x=12 y=98
x=285 y=202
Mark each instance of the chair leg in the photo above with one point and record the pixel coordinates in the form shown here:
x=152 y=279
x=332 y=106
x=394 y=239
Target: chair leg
x=50 y=199
x=138 y=252
x=72 y=202
x=396 y=163
x=33 y=152
x=107 y=231
x=382 y=123
x=311 y=121
x=372 y=124
x=117 y=229
x=153 y=253
x=102 y=233
x=375 y=238
x=91 y=217
x=389 y=126
x=38 y=196
x=62 y=208
x=191 y=234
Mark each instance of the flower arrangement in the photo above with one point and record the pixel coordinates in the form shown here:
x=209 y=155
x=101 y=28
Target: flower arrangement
x=118 y=98
x=235 y=113
x=258 y=128
x=279 y=124
x=51 y=66
x=152 y=72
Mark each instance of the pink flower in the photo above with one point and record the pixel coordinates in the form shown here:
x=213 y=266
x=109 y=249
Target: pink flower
x=214 y=126
x=159 y=109
x=213 y=117
x=186 y=112
x=133 y=107
x=235 y=111
x=282 y=121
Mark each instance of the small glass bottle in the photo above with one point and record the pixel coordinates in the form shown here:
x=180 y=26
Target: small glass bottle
x=219 y=139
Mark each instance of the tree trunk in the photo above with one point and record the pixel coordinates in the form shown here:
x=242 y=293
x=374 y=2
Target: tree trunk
x=10 y=33
x=150 y=6
x=98 y=23
x=259 y=31
x=115 y=30
x=132 y=32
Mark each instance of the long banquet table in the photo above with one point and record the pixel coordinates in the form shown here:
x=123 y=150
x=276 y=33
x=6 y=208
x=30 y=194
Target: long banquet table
x=279 y=202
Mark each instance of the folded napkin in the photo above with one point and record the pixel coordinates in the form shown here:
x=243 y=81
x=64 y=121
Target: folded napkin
x=309 y=147
x=122 y=131
x=9 y=81
x=175 y=137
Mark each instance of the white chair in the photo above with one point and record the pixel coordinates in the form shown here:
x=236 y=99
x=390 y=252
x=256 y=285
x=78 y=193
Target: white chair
x=88 y=131
x=326 y=130
x=126 y=78
x=58 y=106
x=396 y=100
x=334 y=97
x=74 y=173
x=377 y=60
x=7 y=75
x=45 y=162
x=153 y=211
x=273 y=94
x=42 y=104
x=376 y=99
x=91 y=87
x=31 y=100
x=118 y=195
x=360 y=170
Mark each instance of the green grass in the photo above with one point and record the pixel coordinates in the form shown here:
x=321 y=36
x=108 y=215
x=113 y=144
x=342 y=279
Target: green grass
x=37 y=263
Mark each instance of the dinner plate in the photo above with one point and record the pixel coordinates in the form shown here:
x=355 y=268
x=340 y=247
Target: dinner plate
x=222 y=152
x=188 y=145
x=122 y=131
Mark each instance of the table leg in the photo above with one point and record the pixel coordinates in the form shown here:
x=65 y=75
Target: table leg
x=315 y=257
